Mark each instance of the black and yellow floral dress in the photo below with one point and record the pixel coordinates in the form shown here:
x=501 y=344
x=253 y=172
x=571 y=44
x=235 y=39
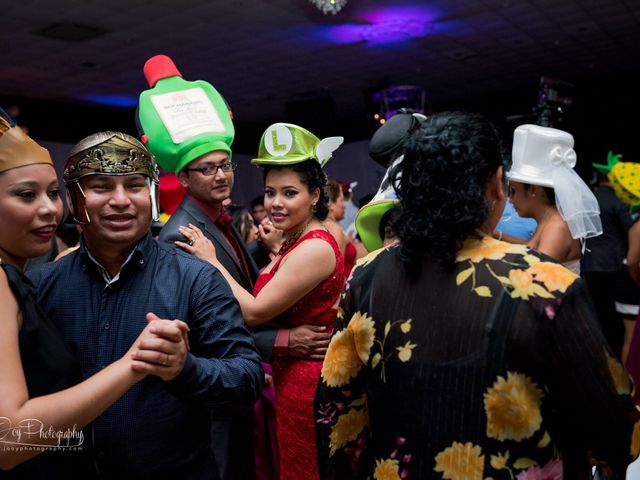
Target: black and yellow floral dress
x=496 y=369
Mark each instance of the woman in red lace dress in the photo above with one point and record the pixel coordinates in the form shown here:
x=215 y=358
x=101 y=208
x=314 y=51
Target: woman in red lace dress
x=300 y=286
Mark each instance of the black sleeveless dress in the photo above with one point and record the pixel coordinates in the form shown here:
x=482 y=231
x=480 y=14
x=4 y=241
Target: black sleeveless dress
x=49 y=366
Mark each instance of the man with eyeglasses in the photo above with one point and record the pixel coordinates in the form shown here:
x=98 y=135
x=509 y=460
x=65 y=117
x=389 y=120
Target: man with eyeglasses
x=208 y=181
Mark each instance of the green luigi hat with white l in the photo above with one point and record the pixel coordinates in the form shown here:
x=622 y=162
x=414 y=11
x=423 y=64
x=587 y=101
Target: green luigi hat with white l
x=286 y=144
x=370 y=218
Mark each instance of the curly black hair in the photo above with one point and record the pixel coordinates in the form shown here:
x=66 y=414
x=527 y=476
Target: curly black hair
x=312 y=175
x=441 y=185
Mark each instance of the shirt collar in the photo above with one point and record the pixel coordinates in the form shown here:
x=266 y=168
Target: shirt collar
x=138 y=256
x=211 y=212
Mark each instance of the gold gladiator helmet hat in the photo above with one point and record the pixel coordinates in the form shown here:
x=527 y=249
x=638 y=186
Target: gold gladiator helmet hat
x=108 y=153
x=17 y=149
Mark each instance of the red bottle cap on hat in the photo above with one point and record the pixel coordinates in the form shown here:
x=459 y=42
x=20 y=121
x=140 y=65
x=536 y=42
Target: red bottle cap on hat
x=159 y=67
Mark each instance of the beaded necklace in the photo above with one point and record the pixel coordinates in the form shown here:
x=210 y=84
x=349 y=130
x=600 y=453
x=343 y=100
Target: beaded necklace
x=292 y=239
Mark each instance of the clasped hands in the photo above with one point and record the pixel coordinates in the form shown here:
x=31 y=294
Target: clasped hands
x=161 y=349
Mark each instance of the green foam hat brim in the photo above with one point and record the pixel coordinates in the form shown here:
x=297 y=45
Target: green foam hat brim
x=287 y=160
x=200 y=150
x=368 y=222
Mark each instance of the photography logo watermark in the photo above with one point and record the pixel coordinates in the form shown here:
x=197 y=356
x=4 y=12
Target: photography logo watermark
x=32 y=433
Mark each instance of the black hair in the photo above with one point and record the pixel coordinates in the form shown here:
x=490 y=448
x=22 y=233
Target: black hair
x=548 y=191
x=387 y=220
x=551 y=195
x=312 y=175
x=334 y=190
x=259 y=200
x=241 y=220
x=447 y=163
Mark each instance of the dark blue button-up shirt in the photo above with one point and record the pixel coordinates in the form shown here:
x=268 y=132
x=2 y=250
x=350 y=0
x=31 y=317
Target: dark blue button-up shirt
x=157 y=428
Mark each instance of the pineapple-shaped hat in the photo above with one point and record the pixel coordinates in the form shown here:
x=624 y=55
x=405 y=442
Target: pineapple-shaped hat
x=625 y=179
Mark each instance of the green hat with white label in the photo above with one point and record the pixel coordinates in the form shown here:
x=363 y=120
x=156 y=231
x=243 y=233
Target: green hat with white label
x=181 y=120
x=286 y=144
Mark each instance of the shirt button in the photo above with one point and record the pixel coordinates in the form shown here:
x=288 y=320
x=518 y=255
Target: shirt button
x=107 y=326
x=141 y=261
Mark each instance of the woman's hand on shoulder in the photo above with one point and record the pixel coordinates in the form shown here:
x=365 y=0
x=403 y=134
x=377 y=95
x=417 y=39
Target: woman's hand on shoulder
x=197 y=244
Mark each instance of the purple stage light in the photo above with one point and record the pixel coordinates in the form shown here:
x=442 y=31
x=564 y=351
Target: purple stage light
x=384 y=25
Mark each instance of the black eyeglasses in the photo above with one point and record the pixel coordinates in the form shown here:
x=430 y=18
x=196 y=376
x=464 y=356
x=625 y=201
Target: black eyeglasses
x=210 y=170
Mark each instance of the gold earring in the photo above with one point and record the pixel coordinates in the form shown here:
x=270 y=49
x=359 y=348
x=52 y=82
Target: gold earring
x=314 y=208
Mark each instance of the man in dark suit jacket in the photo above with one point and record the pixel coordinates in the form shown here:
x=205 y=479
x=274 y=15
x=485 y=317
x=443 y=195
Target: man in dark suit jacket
x=208 y=181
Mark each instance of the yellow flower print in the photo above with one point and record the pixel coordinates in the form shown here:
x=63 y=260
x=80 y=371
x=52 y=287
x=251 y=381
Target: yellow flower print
x=341 y=361
x=513 y=408
x=523 y=286
x=406 y=326
x=553 y=275
x=340 y=313
x=387 y=470
x=487 y=248
x=500 y=461
x=366 y=260
x=635 y=440
x=619 y=375
x=347 y=428
x=460 y=462
x=404 y=352
x=364 y=333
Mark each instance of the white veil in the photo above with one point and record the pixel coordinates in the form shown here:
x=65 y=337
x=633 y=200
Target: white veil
x=575 y=201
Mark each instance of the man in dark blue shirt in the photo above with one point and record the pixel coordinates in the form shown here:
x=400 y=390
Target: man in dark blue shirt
x=99 y=297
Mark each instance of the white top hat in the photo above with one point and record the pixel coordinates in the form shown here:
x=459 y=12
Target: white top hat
x=545 y=156
x=536 y=151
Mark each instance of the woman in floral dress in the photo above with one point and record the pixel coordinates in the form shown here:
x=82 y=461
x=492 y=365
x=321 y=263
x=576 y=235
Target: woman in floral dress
x=458 y=356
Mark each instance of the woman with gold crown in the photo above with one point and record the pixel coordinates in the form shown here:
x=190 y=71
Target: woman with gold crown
x=40 y=404
x=302 y=283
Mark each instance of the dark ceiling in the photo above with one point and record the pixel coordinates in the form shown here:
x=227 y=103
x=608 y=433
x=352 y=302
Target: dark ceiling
x=283 y=59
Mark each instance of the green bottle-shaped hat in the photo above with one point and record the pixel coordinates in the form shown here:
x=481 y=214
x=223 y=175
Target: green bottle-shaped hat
x=181 y=120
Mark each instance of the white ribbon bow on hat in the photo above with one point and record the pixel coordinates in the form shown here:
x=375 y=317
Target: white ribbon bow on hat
x=567 y=158
x=575 y=201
